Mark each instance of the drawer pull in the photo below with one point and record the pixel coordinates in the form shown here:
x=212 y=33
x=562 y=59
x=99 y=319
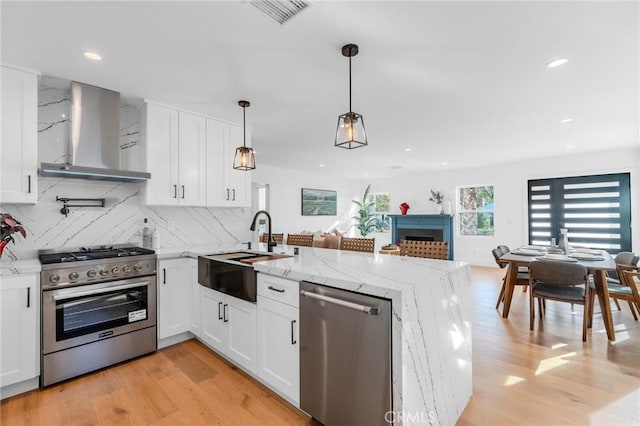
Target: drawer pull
x=279 y=290
x=293 y=339
x=219 y=313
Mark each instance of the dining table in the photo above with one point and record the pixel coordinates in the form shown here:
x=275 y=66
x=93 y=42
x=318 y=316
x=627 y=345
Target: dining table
x=597 y=268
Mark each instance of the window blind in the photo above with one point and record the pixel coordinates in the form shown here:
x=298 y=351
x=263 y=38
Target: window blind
x=596 y=210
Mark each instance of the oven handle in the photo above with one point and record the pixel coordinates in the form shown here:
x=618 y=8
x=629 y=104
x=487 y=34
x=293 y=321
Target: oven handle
x=98 y=291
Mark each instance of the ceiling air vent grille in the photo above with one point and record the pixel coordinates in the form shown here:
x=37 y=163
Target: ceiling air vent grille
x=280 y=11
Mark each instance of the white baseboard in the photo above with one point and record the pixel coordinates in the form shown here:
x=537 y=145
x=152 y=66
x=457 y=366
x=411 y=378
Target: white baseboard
x=20 y=387
x=172 y=340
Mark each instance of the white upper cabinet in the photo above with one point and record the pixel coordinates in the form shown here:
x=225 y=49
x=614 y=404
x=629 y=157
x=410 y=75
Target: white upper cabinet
x=19 y=153
x=175 y=156
x=226 y=187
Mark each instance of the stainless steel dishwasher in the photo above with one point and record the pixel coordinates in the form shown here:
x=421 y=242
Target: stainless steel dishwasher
x=345 y=356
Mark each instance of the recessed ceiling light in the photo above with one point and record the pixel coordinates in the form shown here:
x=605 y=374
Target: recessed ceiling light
x=566 y=120
x=93 y=56
x=570 y=147
x=407 y=149
x=444 y=163
x=557 y=63
x=321 y=165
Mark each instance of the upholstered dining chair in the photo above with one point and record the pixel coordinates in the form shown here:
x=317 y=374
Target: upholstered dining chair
x=304 y=240
x=277 y=237
x=358 y=244
x=563 y=282
x=522 y=278
x=427 y=249
x=625 y=260
x=629 y=290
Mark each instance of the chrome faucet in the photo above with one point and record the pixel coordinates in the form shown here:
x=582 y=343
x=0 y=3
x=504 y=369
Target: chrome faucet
x=271 y=243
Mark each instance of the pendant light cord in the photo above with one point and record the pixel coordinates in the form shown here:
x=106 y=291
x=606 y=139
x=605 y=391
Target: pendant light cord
x=350 y=84
x=244 y=127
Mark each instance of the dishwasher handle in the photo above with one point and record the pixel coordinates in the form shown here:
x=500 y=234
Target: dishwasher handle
x=369 y=310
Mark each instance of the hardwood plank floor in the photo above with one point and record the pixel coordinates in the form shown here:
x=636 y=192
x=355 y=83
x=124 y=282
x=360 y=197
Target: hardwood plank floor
x=546 y=377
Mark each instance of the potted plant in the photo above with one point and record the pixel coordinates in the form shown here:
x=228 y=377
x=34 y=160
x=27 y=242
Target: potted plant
x=437 y=197
x=365 y=218
x=8 y=226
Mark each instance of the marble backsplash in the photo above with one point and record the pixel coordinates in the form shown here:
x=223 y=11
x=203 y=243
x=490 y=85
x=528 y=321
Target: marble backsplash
x=121 y=220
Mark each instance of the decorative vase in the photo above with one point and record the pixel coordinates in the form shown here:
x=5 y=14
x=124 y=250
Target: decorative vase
x=403 y=209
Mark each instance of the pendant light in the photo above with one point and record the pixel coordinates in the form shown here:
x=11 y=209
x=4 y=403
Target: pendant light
x=244 y=158
x=350 y=133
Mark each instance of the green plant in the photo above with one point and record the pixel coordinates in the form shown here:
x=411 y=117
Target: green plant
x=365 y=218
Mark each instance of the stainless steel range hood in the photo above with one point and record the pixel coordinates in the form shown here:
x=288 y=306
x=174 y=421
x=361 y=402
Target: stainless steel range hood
x=94 y=146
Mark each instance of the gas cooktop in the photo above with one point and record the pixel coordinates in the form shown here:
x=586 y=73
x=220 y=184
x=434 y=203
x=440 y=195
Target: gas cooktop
x=90 y=253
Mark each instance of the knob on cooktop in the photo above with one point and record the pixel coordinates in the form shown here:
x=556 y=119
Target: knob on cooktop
x=115 y=270
x=73 y=276
x=91 y=273
x=104 y=272
x=54 y=278
x=137 y=267
x=126 y=269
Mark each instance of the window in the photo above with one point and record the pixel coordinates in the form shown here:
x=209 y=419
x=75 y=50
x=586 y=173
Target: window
x=382 y=202
x=476 y=207
x=596 y=211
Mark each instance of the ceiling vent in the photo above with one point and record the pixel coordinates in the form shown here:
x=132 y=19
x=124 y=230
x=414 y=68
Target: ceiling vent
x=280 y=11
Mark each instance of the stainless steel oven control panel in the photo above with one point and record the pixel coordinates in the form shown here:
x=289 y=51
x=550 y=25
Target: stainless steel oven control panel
x=76 y=273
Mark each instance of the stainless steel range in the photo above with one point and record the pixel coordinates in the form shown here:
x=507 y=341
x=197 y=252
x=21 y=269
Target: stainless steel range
x=98 y=309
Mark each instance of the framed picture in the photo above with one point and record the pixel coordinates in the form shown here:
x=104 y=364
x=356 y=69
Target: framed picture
x=319 y=202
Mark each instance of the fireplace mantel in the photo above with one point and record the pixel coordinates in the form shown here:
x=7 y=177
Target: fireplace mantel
x=421 y=222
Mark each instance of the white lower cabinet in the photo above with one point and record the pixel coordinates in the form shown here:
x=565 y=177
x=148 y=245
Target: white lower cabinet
x=19 y=341
x=174 y=296
x=278 y=337
x=228 y=325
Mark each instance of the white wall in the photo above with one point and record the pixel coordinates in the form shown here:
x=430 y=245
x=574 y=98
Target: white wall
x=510 y=182
x=285 y=206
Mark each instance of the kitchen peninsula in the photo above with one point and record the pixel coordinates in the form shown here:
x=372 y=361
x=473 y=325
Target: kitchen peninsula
x=431 y=322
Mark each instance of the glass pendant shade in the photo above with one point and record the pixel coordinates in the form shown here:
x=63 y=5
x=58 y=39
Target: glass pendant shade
x=244 y=159
x=350 y=133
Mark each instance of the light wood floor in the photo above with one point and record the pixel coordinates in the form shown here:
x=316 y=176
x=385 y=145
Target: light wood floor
x=546 y=377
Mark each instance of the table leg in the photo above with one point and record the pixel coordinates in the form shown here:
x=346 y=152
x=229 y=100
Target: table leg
x=509 y=284
x=600 y=280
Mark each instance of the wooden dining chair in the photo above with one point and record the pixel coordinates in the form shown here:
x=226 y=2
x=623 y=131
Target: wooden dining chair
x=426 y=249
x=562 y=282
x=304 y=240
x=358 y=244
x=522 y=278
x=277 y=237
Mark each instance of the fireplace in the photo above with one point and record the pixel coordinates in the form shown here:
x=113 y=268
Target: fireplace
x=427 y=227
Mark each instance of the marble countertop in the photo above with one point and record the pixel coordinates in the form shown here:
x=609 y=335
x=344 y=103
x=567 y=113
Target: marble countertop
x=16 y=267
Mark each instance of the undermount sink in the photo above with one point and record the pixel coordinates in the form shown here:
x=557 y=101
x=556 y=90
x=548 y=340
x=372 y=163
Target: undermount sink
x=262 y=258
x=249 y=257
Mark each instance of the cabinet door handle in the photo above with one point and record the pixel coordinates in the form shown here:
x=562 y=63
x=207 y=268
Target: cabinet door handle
x=182 y=191
x=28 y=297
x=219 y=313
x=224 y=313
x=164 y=275
x=227 y=194
x=234 y=194
x=28 y=187
x=175 y=191
x=293 y=339
x=279 y=290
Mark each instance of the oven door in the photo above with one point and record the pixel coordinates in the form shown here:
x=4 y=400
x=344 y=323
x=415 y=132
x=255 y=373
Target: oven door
x=88 y=313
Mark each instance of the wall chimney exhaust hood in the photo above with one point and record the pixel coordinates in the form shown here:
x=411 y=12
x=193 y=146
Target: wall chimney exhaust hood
x=94 y=145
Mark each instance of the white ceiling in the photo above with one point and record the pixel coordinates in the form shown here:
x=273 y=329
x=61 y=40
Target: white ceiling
x=457 y=82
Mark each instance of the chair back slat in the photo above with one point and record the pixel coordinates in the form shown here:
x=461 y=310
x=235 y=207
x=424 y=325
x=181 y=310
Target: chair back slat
x=358 y=244
x=427 y=249
x=277 y=237
x=304 y=240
